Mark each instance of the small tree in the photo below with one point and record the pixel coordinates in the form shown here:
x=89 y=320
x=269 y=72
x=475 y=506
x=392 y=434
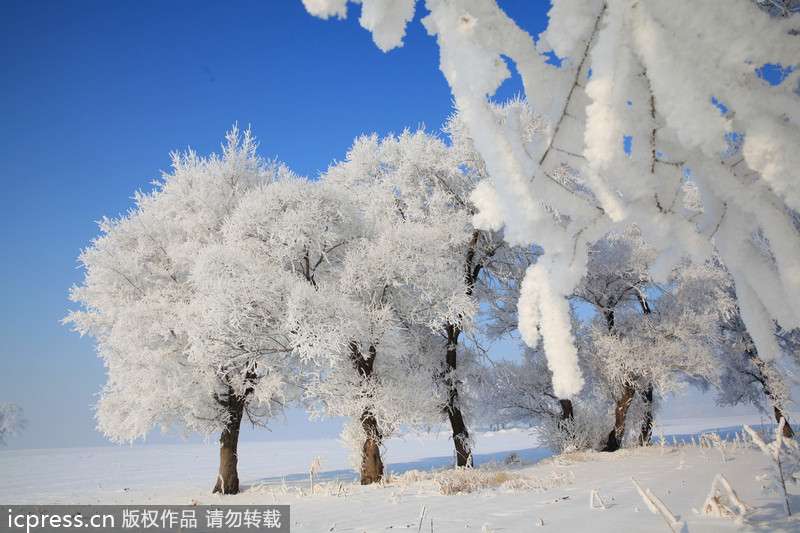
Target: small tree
x=11 y=421
x=149 y=299
x=646 y=337
x=785 y=456
x=747 y=378
x=522 y=391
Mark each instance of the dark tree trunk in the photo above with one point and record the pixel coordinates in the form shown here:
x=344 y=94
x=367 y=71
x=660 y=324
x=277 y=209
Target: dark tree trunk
x=646 y=431
x=765 y=385
x=371 y=462
x=614 y=441
x=610 y=320
x=472 y=269
x=566 y=410
x=567 y=416
x=453 y=410
x=228 y=479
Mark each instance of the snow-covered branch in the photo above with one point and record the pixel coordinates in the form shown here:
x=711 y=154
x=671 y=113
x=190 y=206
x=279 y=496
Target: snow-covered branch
x=657 y=74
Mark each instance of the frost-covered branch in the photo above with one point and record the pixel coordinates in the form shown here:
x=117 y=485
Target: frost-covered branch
x=785 y=456
x=659 y=74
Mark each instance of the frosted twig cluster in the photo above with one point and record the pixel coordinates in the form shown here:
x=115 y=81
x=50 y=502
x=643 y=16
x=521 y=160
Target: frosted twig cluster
x=785 y=457
x=723 y=502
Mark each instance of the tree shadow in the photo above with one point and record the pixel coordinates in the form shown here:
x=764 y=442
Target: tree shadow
x=426 y=464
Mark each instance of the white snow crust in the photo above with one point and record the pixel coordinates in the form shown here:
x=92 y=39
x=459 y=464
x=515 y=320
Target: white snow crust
x=555 y=491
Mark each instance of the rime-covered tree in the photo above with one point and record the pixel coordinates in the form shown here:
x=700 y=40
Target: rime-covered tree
x=492 y=268
x=401 y=279
x=365 y=279
x=647 y=338
x=429 y=179
x=154 y=301
x=637 y=340
x=617 y=282
x=656 y=74
x=746 y=378
x=309 y=231
x=431 y=184
x=11 y=421
x=522 y=392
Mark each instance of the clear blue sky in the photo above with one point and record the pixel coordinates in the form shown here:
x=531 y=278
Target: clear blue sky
x=96 y=94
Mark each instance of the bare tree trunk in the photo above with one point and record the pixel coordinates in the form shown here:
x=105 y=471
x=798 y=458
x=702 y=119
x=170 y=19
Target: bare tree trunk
x=614 y=440
x=453 y=410
x=371 y=462
x=566 y=410
x=763 y=378
x=646 y=431
x=621 y=405
x=228 y=479
x=788 y=432
x=567 y=416
x=472 y=269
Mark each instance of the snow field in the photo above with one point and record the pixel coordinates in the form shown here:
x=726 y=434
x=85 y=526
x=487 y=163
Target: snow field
x=541 y=489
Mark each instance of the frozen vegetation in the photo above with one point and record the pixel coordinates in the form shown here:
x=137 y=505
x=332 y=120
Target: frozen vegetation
x=11 y=421
x=645 y=93
x=633 y=217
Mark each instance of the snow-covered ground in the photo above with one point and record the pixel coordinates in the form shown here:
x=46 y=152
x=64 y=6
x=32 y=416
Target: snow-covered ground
x=539 y=491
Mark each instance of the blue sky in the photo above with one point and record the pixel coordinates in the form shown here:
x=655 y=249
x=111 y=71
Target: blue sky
x=94 y=97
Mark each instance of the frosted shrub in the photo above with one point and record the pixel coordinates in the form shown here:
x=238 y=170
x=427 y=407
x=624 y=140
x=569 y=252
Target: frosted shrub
x=410 y=477
x=785 y=456
x=713 y=440
x=522 y=392
x=11 y=421
x=512 y=459
x=466 y=480
x=583 y=431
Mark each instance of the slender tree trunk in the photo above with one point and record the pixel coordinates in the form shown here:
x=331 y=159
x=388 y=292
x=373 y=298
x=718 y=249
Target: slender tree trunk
x=788 y=432
x=453 y=410
x=567 y=416
x=621 y=405
x=614 y=441
x=228 y=479
x=646 y=431
x=473 y=265
x=371 y=462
